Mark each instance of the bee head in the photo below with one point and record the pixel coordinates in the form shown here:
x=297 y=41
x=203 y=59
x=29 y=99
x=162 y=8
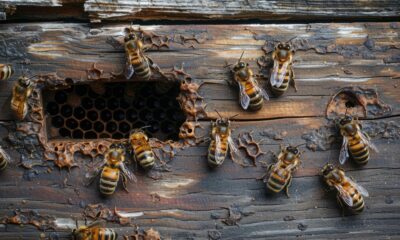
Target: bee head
x=283 y=51
x=130 y=36
x=291 y=153
x=81 y=233
x=138 y=135
x=24 y=81
x=346 y=123
x=328 y=168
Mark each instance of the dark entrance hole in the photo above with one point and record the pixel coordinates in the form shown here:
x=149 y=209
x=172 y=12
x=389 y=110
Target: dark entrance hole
x=104 y=110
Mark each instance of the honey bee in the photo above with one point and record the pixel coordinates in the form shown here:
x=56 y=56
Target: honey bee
x=251 y=94
x=280 y=173
x=112 y=168
x=355 y=142
x=142 y=151
x=22 y=90
x=94 y=231
x=349 y=193
x=221 y=140
x=4 y=159
x=282 y=72
x=137 y=62
x=5 y=71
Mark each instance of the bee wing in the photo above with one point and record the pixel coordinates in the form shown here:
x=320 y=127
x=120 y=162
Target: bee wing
x=127 y=173
x=244 y=98
x=359 y=188
x=276 y=76
x=345 y=196
x=366 y=141
x=129 y=70
x=344 y=151
x=261 y=90
x=91 y=175
x=232 y=145
x=97 y=223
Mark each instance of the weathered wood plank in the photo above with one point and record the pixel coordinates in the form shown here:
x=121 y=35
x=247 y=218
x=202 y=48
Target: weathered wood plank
x=191 y=198
x=260 y=9
x=329 y=56
x=190 y=201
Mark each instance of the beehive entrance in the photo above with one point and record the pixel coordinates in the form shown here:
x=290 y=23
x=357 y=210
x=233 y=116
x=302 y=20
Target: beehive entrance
x=112 y=110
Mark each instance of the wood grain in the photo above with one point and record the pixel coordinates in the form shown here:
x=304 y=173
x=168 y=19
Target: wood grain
x=192 y=200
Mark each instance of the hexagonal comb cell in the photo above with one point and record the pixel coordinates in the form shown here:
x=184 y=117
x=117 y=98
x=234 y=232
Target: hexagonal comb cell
x=112 y=110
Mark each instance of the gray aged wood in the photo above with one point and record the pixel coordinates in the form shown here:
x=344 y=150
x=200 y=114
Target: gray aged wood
x=124 y=10
x=192 y=199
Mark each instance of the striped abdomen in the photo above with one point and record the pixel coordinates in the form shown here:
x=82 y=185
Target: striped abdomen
x=256 y=98
x=109 y=180
x=278 y=179
x=215 y=160
x=5 y=71
x=278 y=91
x=359 y=151
x=358 y=200
x=144 y=156
x=140 y=64
x=104 y=234
x=3 y=162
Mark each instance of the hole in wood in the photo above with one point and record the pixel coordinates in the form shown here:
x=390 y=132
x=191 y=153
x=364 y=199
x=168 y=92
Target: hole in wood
x=112 y=110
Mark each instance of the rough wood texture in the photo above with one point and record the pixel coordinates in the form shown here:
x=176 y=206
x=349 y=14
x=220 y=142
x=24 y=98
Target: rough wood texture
x=120 y=10
x=191 y=201
x=260 y=9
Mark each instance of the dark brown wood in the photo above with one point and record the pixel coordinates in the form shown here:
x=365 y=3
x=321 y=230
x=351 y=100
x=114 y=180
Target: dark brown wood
x=191 y=201
x=102 y=10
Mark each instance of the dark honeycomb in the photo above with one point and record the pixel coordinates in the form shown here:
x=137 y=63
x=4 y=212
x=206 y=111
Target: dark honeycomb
x=112 y=110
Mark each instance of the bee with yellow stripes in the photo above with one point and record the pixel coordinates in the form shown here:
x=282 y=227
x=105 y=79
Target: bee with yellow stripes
x=112 y=168
x=4 y=159
x=94 y=231
x=221 y=141
x=21 y=92
x=137 y=61
x=282 y=73
x=251 y=94
x=349 y=193
x=280 y=173
x=355 y=142
x=6 y=71
x=142 y=151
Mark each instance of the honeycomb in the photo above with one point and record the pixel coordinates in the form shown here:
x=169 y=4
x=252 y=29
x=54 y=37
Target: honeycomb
x=112 y=110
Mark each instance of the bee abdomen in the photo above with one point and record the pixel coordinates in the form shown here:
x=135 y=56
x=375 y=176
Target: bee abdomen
x=106 y=234
x=213 y=159
x=359 y=152
x=109 y=180
x=146 y=159
x=358 y=204
x=141 y=67
x=3 y=163
x=5 y=72
x=256 y=102
x=278 y=91
x=276 y=183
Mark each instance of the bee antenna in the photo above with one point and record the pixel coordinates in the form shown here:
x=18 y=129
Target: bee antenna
x=345 y=113
x=240 y=57
x=290 y=39
x=218 y=113
x=76 y=223
x=231 y=117
x=145 y=127
x=300 y=145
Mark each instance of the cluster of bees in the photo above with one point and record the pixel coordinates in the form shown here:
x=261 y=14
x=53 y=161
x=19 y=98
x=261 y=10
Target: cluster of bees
x=356 y=143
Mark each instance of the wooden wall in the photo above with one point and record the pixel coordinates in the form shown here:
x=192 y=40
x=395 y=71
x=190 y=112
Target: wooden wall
x=191 y=201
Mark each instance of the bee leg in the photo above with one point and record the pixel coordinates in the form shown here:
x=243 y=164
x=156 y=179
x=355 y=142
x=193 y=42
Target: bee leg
x=263 y=176
x=292 y=81
x=124 y=181
x=287 y=187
